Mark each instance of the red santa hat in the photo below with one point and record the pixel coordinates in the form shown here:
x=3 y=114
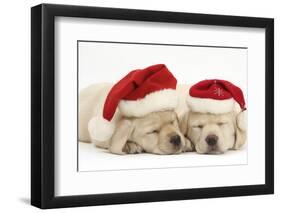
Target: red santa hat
x=139 y=93
x=215 y=96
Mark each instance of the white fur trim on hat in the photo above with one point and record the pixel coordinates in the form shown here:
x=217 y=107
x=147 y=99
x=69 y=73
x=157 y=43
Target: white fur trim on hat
x=165 y=99
x=208 y=105
x=100 y=129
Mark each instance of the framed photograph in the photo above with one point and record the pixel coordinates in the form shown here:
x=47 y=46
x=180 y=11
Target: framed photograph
x=139 y=106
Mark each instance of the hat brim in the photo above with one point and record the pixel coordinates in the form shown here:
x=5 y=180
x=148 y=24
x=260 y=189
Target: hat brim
x=162 y=100
x=208 y=105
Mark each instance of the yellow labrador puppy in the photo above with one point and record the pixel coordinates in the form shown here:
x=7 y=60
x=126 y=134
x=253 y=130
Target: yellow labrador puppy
x=213 y=126
x=156 y=132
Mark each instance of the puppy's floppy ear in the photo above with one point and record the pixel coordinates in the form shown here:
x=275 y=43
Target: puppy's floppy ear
x=183 y=120
x=121 y=135
x=240 y=129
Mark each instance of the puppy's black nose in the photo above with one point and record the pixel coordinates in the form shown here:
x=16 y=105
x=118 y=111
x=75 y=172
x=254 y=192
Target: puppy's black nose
x=212 y=140
x=175 y=140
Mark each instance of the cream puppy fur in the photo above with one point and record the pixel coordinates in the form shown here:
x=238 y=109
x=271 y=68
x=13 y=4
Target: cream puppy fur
x=211 y=133
x=157 y=132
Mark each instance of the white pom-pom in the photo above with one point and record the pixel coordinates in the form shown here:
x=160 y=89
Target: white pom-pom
x=100 y=129
x=242 y=120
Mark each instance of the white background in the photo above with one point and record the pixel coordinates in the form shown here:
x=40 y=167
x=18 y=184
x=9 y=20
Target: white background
x=15 y=106
x=109 y=62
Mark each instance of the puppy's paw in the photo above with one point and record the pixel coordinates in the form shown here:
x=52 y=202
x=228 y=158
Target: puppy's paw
x=189 y=147
x=113 y=150
x=132 y=148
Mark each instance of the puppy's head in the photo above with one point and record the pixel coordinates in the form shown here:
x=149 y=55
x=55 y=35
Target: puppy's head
x=215 y=133
x=157 y=132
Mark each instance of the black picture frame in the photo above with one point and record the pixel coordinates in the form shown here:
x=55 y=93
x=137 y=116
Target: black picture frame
x=43 y=105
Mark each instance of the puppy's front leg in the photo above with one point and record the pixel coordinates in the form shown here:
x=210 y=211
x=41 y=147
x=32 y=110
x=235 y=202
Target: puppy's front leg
x=120 y=137
x=188 y=147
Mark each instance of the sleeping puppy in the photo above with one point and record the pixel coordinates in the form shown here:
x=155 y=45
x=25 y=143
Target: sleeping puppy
x=156 y=132
x=213 y=126
x=214 y=133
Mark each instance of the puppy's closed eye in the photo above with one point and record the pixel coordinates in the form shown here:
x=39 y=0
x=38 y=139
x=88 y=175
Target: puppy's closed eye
x=200 y=126
x=153 y=132
x=221 y=123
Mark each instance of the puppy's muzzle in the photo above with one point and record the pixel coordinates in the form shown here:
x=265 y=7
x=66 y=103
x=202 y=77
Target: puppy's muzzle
x=211 y=140
x=175 y=140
